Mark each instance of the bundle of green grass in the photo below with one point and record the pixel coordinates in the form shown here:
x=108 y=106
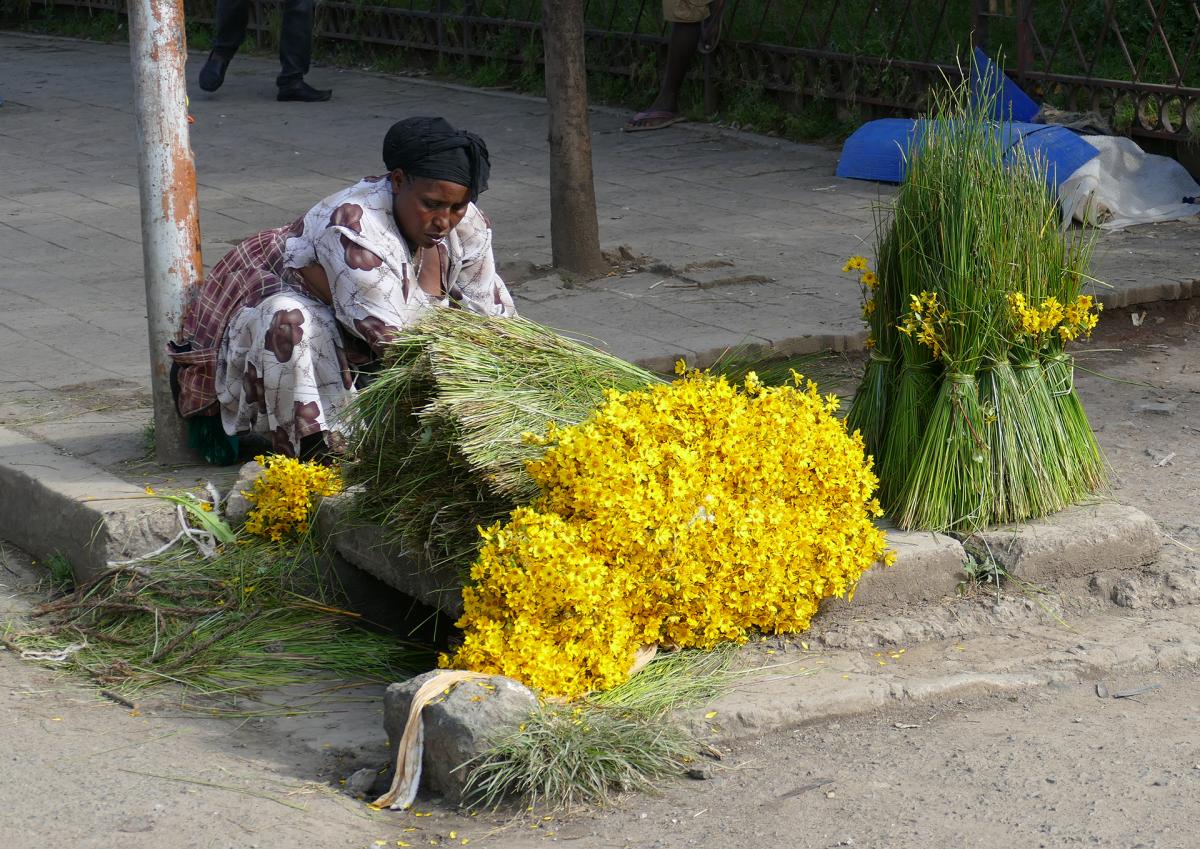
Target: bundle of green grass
x=438 y=446
x=968 y=402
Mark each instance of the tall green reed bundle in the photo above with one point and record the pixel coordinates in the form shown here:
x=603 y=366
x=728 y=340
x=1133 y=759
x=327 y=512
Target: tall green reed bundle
x=904 y=271
x=868 y=413
x=949 y=485
x=1042 y=259
x=437 y=440
x=1087 y=469
x=981 y=422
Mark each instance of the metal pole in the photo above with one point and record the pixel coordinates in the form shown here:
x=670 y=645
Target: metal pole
x=170 y=213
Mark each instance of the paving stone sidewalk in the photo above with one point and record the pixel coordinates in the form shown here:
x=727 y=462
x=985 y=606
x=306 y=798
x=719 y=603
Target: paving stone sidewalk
x=745 y=236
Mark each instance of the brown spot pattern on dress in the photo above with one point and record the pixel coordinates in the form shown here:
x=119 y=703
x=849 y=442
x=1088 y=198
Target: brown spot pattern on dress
x=307 y=415
x=282 y=443
x=253 y=388
x=349 y=215
x=284 y=334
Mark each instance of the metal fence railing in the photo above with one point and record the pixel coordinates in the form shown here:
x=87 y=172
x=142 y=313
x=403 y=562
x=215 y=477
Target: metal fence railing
x=1134 y=62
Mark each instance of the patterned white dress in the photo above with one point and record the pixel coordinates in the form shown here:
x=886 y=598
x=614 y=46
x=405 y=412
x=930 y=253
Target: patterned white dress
x=284 y=362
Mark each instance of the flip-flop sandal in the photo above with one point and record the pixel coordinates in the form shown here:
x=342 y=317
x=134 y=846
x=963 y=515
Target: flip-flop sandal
x=669 y=118
x=710 y=28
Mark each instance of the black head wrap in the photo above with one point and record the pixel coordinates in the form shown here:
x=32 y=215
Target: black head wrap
x=430 y=147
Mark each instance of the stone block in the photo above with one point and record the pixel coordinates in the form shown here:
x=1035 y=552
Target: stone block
x=53 y=503
x=1072 y=543
x=365 y=547
x=459 y=725
x=237 y=505
x=928 y=567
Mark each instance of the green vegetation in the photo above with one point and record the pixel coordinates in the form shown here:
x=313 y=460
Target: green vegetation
x=606 y=744
x=767 y=93
x=253 y=616
x=62 y=577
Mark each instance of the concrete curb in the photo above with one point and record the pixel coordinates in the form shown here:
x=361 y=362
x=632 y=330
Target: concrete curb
x=823 y=687
x=928 y=567
x=363 y=546
x=1075 y=542
x=54 y=504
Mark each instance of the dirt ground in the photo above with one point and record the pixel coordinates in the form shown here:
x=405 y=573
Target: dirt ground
x=1046 y=767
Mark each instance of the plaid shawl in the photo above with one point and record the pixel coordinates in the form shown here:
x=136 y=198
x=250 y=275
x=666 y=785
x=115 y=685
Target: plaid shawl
x=247 y=275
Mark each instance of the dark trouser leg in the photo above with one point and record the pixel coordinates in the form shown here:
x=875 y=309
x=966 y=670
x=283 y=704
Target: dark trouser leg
x=685 y=37
x=230 y=27
x=295 y=41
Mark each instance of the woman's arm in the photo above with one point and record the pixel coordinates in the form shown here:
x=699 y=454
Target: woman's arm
x=371 y=289
x=477 y=285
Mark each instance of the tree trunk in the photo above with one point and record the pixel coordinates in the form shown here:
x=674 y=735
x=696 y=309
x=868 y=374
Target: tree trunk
x=574 y=231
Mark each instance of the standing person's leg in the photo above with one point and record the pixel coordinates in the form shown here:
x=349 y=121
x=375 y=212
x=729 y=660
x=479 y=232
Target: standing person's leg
x=690 y=20
x=229 y=31
x=295 y=52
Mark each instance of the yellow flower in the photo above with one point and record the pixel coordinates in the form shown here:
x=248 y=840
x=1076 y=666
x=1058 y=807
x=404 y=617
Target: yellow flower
x=150 y=490
x=926 y=321
x=868 y=309
x=284 y=495
x=691 y=514
x=869 y=279
x=855 y=263
x=681 y=366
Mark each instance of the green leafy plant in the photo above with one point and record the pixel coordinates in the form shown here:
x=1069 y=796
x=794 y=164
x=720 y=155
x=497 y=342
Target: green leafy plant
x=590 y=752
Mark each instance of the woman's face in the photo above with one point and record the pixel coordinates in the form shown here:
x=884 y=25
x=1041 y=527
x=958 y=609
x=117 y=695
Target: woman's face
x=425 y=209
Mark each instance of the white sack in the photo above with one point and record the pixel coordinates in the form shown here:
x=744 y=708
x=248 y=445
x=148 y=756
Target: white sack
x=1124 y=185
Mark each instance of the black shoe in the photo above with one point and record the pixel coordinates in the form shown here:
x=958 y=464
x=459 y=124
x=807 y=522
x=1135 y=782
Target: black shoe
x=302 y=91
x=213 y=72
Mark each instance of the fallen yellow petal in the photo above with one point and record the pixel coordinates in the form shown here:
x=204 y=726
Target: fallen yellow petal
x=710 y=714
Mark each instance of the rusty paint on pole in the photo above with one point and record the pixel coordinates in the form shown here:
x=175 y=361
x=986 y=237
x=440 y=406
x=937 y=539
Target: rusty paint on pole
x=170 y=212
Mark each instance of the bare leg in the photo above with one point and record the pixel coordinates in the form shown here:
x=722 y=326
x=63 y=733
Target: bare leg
x=681 y=50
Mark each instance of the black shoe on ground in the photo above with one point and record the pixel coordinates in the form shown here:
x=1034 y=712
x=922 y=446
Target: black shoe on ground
x=213 y=72
x=302 y=91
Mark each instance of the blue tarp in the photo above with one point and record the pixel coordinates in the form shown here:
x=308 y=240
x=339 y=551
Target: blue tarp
x=1009 y=103
x=877 y=150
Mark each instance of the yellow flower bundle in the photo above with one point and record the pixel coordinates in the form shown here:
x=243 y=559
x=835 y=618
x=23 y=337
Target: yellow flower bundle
x=684 y=514
x=284 y=495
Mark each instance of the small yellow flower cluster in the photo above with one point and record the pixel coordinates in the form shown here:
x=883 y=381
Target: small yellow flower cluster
x=1079 y=319
x=683 y=514
x=868 y=279
x=926 y=321
x=283 y=496
x=1070 y=322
